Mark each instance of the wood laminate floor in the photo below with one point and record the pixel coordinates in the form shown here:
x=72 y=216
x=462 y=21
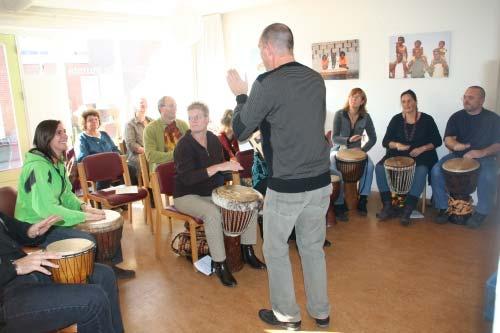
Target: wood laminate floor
x=382 y=277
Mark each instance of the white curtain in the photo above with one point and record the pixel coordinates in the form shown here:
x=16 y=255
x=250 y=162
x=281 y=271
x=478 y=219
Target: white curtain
x=210 y=75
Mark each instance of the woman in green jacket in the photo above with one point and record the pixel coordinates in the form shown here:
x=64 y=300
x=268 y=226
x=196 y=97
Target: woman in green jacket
x=44 y=189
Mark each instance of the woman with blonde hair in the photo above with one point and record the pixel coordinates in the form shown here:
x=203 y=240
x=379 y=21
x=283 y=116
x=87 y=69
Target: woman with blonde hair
x=226 y=136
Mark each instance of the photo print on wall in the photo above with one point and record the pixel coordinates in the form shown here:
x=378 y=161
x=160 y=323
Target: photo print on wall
x=425 y=55
x=338 y=60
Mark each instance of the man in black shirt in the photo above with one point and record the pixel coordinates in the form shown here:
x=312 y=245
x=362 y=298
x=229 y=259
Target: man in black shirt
x=30 y=302
x=473 y=132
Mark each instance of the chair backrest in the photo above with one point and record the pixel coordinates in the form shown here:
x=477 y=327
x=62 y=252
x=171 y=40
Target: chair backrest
x=73 y=173
x=123 y=147
x=8 y=197
x=166 y=173
x=103 y=166
x=245 y=158
x=144 y=165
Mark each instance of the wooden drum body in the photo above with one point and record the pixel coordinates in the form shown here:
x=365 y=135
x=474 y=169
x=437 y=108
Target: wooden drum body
x=330 y=217
x=238 y=205
x=77 y=262
x=108 y=234
x=460 y=176
x=399 y=172
x=351 y=163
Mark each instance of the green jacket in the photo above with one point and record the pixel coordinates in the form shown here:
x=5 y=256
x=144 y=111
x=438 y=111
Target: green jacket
x=154 y=143
x=44 y=189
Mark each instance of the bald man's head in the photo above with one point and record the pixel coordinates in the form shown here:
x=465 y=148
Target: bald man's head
x=279 y=36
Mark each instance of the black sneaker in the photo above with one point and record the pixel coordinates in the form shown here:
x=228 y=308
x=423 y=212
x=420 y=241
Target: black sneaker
x=475 y=220
x=121 y=273
x=441 y=217
x=268 y=317
x=323 y=323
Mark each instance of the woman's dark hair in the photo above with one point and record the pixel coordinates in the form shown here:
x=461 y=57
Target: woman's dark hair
x=409 y=92
x=44 y=133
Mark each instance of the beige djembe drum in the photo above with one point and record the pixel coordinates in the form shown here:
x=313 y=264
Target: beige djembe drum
x=108 y=234
x=238 y=205
x=460 y=176
x=351 y=163
x=77 y=262
x=399 y=172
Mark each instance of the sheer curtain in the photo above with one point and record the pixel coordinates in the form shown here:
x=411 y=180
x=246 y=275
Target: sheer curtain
x=210 y=74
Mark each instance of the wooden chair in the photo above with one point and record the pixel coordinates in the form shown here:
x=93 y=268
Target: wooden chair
x=110 y=166
x=123 y=147
x=145 y=180
x=162 y=182
x=8 y=197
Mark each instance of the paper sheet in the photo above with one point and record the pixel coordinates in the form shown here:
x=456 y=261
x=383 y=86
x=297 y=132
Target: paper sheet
x=204 y=265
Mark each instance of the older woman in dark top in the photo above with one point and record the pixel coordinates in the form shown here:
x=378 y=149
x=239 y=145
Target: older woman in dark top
x=410 y=133
x=349 y=125
x=199 y=165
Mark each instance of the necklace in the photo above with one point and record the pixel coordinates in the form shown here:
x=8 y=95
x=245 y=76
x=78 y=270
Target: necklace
x=410 y=133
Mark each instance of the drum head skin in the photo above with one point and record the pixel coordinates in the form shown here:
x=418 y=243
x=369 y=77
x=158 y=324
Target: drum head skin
x=236 y=197
x=459 y=165
x=112 y=221
x=68 y=247
x=351 y=155
x=334 y=178
x=399 y=162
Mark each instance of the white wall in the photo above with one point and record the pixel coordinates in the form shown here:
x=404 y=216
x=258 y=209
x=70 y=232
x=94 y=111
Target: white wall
x=474 y=49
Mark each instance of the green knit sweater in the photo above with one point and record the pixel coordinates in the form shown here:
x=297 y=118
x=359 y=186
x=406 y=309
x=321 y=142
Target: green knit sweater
x=154 y=143
x=44 y=189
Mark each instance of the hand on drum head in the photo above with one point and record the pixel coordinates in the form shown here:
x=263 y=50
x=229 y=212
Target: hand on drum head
x=402 y=147
x=94 y=217
x=417 y=151
x=89 y=209
x=41 y=227
x=35 y=262
x=477 y=153
x=461 y=146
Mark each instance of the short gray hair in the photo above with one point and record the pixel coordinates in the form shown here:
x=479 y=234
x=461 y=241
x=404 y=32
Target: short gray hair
x=199 y=106
x=279 y=35
x=482 y=93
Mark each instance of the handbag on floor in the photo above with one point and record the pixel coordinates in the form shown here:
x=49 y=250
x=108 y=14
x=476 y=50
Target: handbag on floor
x=181 y=244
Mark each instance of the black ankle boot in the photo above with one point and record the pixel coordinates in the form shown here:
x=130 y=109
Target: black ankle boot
x=224 y=274
x=250 y=258
x=363 y=199
x=387 y=211
x=410 y=204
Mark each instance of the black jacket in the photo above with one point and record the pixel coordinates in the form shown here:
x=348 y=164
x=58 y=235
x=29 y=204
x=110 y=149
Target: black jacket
x=13 y=235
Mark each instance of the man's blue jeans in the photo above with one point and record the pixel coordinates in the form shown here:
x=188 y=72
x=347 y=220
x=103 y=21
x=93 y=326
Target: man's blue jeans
x=486 y=184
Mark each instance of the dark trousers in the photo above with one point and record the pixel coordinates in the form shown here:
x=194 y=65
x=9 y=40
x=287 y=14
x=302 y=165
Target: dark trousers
x=32 y=303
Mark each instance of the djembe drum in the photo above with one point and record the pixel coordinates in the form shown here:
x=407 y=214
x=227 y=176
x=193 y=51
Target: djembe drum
x=238 y=205
x=351 y=163
x=77 y=262
x=108 y=234
x=330 y=215
x=460 y=176
x=399 y=172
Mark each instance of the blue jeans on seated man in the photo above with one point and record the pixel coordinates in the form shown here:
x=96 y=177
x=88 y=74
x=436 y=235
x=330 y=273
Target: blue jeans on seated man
x=60 y=233
x=365 y=182
x=419 y=180
x=486 y=184
x=33 y=303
